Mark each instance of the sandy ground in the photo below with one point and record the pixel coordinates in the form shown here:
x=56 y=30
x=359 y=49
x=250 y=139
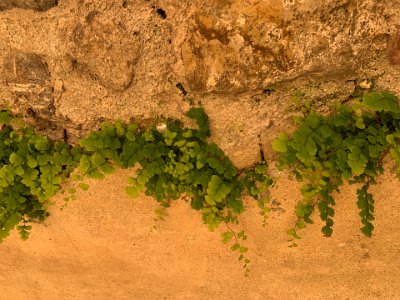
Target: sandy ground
x=107 y=246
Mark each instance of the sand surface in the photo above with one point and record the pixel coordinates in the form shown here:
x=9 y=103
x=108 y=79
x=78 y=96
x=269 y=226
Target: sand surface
x=105 y=245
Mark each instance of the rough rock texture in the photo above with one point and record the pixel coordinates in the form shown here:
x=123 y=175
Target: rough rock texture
x=38 y=5
x=103 y=46
x=24 y=68
x=394 y=49
x=235 y=46
x=251 y=63
x=27 y=75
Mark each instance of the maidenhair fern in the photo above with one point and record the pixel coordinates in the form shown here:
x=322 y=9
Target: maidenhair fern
x=31 y=171
x=172 y=162
x=347 y=145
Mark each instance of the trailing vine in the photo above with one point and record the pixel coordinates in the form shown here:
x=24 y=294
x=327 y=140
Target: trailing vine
x=347 y=145
x=173 y=161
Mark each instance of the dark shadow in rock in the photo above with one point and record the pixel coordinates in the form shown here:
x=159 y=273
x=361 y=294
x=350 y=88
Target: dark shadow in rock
x=162 y=13
x=37 y=5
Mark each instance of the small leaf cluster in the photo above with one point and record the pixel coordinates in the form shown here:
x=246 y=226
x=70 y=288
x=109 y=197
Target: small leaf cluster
x=347 y=145
x=31 y=171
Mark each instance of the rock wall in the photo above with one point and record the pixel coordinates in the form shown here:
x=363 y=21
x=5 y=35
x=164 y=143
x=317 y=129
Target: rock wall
x=69 y=65
x=38 y=5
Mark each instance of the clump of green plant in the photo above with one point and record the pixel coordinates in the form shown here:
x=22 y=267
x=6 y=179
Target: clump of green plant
x=176 y=161
x=31 y=171
x=173 y=161
x=348 y=145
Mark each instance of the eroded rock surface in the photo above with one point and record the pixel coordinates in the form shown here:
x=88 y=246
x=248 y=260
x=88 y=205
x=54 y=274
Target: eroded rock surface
x=249 y=63
x=394 y=49
x=25 y=68
x=235 y=46
x=38 y=5
x=103 y=46
x=27 y=75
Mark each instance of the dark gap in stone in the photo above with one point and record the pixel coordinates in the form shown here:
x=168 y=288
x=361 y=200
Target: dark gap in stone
x=181 y=88
x=162 y=13
x=260 y=145
x=31 y=113
x=267 y=92
x=65 y=135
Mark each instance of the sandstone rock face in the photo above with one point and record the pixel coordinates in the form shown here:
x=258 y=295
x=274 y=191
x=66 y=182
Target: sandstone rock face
x=25 y=68
x=394 y=49
x=249 y=63
x=28 y=77
x=38 y=5
x=235 y=46
x=104 y=48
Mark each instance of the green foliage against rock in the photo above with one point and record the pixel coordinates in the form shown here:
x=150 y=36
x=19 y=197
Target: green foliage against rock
x=31 y=171
x=172 y=162
x=348 y=145
x=176 y=161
